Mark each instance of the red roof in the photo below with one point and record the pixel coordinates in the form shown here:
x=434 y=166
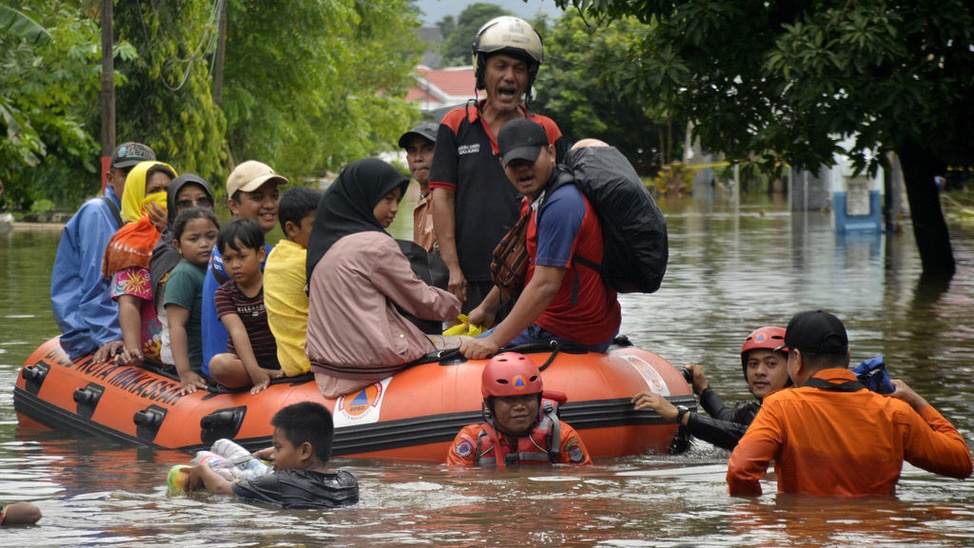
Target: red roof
x=453 y=85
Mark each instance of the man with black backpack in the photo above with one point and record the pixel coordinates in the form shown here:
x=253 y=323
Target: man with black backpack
x=557 y=297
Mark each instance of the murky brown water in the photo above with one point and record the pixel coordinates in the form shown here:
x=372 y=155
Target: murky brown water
x=731 y=269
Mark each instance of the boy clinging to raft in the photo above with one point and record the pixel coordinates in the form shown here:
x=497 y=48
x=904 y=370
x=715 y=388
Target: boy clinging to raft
x=302 y=440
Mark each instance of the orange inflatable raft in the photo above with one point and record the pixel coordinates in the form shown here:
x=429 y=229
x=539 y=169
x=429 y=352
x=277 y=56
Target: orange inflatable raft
x=413 y=415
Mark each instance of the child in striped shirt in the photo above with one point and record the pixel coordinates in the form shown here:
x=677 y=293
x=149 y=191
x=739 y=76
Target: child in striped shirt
x=251 y=356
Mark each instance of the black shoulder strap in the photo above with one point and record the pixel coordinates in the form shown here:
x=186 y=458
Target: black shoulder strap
x=114 y=209
x=848 y=386
x=564 y=176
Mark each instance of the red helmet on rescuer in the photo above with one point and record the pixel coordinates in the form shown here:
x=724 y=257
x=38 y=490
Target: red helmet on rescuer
x=768 y=337
x=510 y=374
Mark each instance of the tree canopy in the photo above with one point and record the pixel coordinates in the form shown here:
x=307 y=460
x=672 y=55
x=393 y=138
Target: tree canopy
x=790 y=79
x=164 y=94
x=330 y=92
x=577 y=90
x=308 y=86
x=49 y=82
x=461 y=33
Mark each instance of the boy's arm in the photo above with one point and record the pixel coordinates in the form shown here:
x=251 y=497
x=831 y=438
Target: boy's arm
x=202 y=477
x=179 y=344
x=241 y=343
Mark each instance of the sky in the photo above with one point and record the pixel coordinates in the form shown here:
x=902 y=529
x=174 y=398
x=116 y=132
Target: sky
x=435 y=10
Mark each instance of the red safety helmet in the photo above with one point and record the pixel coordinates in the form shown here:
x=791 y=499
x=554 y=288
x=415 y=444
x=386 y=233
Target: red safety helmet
x=510 y=374
x=769 y=337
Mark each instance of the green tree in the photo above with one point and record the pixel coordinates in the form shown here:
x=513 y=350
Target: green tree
x=312 y=85
x=13 y=22
x=456 y=44
x=447 y=25
x=165 y=94
x=49 y=82
x=586 y=100
x=794 y=77
x=309 y=86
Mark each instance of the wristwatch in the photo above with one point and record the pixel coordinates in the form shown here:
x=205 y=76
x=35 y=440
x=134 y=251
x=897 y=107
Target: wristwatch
x=681 y=410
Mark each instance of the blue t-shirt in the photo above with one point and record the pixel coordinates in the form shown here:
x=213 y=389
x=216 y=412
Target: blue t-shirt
x=585 y=310
x=561 y=219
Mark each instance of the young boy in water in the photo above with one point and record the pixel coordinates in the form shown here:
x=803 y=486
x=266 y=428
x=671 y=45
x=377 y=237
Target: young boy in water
x=303 y=434
x=285 y=279
x=251 y=355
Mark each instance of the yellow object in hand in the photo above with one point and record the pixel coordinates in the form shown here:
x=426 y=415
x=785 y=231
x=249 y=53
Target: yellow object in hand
x=158 y=197
x=463 y=327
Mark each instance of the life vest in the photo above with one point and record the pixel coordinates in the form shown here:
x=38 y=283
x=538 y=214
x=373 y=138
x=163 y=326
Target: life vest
x=541 y=447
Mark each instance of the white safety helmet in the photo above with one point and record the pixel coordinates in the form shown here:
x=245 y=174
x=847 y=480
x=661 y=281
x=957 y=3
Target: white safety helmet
x=513 y=36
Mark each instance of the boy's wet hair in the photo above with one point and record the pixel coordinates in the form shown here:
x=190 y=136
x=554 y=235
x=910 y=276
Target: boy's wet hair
x=308 y=422
x=296 y=204
x=187 y=215
x=239 y=233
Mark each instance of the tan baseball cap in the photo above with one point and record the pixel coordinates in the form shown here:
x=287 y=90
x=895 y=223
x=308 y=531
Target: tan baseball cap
x=250 y=175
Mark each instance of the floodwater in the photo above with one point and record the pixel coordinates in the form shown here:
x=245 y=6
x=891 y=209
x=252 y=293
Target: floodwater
x=731 y=269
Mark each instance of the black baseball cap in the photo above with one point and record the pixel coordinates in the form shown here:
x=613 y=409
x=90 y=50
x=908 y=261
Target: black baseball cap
x=426 y=130
x=130 y=153
x=521 y=139
x=816 y=332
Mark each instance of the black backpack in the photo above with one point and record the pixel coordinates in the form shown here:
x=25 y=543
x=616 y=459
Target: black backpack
x=430 y=268
x=636 y=248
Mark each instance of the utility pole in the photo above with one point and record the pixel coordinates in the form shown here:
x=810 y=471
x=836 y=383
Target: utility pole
x=221 y=49
x=107 y=91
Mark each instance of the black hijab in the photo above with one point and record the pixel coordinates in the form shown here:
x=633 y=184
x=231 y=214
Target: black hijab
x=347 y=206
x=164 y=256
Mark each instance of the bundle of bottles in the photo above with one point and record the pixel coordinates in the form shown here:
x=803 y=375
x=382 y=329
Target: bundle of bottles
x=226 y=458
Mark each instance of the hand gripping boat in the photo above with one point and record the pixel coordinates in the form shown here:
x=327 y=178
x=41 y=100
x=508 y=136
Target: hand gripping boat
x=413 y=415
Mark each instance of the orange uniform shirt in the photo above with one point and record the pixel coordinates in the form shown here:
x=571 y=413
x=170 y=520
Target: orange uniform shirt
x=463 y=450
x=831 y=443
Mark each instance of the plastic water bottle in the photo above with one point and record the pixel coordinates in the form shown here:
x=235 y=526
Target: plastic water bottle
x=229 y=449
x=251 y=468
x=220 y=464
x=209 y=457
x=226 y=458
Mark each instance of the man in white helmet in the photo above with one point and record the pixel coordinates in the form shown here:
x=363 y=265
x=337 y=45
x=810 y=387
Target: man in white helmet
x=474 y=203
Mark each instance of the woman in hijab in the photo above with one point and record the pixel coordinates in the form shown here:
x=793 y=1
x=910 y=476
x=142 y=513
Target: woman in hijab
x=126 y=262
x=357 y=275
x=186 y=191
